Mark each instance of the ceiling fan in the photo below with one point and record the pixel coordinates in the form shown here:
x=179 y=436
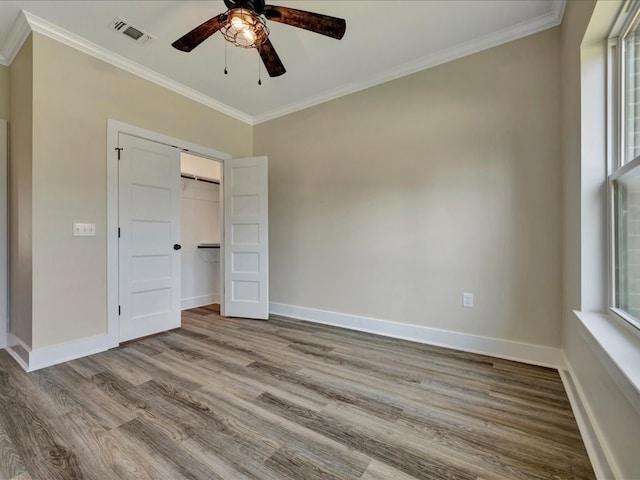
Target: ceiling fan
x=244 y=25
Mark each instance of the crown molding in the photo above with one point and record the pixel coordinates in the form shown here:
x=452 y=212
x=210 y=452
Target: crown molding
x=28 y=22
x=557 y=10
x=17 y=36
x=550 y=20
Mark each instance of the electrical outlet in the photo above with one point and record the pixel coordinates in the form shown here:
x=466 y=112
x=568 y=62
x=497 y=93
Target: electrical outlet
x=467 y=300
x=84 y=229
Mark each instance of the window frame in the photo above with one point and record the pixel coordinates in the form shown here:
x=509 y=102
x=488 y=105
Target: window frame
x=616 y=141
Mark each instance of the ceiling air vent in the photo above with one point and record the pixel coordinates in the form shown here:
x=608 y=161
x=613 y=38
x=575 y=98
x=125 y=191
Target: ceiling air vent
x=128 y=30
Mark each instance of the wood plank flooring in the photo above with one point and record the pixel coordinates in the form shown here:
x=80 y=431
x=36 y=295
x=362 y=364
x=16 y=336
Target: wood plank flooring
x=240 y=399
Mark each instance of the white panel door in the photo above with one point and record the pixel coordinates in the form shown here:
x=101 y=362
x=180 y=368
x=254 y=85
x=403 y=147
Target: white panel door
x=246 y=238
x=149 y=221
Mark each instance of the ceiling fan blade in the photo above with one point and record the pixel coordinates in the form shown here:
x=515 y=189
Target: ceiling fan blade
x=315 y=22
x=199 y=34
x=271 y=60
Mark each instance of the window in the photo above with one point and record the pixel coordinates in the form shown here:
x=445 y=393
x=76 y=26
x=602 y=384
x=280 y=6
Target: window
x=624 y=178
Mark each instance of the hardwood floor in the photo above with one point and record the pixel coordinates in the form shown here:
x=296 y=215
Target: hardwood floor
x=234 y=399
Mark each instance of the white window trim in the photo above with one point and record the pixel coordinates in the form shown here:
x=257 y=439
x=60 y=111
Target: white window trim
x=617 y=347
x=625 y=316
x=614 y=343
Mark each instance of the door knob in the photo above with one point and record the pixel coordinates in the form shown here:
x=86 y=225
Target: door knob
x=177 y=246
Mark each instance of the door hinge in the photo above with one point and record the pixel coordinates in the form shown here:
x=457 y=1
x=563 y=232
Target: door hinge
x=118 y=232
x=119 y=310
x=119 y=149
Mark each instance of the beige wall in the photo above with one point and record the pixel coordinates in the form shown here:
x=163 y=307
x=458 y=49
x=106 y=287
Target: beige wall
x=4 y=92
x=73 y=95
x=20 y=193
x=393 y=201
x=583 y=201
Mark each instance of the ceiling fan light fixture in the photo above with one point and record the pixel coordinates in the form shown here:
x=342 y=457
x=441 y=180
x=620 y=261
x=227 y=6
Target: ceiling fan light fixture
x=244 y=28
x=244 y=24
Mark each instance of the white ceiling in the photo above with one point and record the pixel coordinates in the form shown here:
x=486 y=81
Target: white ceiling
x=384 y=40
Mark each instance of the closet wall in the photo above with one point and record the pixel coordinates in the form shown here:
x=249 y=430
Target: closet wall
x=200 y=225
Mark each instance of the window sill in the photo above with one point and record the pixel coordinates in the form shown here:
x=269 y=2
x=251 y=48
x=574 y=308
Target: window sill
x=617 y=345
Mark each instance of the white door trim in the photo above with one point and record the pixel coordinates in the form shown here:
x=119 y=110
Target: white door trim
x=4 y=270
x=114 y=128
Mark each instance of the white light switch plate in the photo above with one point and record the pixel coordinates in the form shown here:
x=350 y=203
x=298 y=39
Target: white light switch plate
x=467 y=300
x=84 y=229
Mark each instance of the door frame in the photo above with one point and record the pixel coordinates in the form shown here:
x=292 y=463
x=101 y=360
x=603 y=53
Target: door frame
x=114 y=128
x=4 y=239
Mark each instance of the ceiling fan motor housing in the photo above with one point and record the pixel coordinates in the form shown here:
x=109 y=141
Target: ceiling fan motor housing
x=255 y=5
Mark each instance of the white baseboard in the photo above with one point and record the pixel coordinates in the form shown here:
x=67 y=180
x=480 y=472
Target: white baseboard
x=200 y=301
x=591 y=436
x=35 y=359
x=510 y=350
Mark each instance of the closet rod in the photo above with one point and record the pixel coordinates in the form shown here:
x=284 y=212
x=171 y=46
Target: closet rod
x=197 y=179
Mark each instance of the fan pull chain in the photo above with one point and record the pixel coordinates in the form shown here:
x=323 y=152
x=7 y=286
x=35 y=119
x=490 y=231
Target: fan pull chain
x=259 y=71
x=225 y=59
